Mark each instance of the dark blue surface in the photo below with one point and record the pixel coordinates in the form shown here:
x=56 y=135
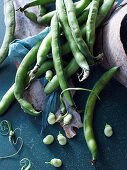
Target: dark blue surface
x=75 y=155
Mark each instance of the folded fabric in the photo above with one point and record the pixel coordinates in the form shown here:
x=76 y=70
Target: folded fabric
x=19 y=48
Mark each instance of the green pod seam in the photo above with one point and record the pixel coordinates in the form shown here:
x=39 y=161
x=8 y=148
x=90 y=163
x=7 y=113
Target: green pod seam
x=88 y=115
x=73 y=23
x=79 y=7
x=9 y=13
x=21 y=74
x=84 y=15
x=65 y=49
x=9 y=96
x=102 y=13
x=44 y=49
x=46 y=44
x=42 y=53
x=90 y=24
x=57 y=59
x=81 y=61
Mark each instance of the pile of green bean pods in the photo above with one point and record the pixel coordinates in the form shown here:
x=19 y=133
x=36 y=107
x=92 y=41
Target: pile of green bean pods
x=78 y=23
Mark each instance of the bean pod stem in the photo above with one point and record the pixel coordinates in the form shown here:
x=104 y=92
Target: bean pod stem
x=23 y=163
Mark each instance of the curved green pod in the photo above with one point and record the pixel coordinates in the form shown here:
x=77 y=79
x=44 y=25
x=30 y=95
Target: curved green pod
x=88 y=115
x=21 y=75
x=9 y=97
x=9 y=13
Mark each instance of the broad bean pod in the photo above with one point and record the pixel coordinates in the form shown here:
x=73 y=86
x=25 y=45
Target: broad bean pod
x=9 y=13
x=73 y=67
x=73 y=23
x=20 y=78
x=9 y=96
x=81 y=61
x=57 y=59
x=102 y=13
x=90 y=24
x=79 y=7
x=88 y=115
x=84 y=15
x=42 y=53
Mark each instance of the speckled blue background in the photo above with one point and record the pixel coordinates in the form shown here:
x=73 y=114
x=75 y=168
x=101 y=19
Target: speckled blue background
x=75 y=155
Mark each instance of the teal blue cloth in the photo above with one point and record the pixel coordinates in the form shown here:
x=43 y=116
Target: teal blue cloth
x=19 y=48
